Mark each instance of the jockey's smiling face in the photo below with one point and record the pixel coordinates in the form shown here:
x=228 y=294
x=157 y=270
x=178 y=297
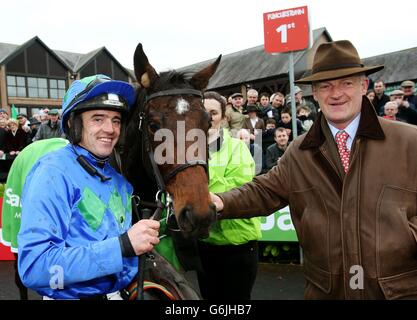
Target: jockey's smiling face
x=101 y=131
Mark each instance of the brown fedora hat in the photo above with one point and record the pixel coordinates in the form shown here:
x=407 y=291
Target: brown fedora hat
x=336 y=59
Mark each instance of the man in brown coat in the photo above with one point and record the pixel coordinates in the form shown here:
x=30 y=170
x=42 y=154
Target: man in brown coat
x=355 y=220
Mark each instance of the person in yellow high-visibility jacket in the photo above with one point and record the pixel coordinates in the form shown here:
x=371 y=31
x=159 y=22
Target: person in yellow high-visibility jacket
x=229 y=255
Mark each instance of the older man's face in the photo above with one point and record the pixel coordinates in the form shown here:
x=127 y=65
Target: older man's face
x=408 y=91
x=340 y=100
x=390 y=109
x=54 y=117
x=252 y=98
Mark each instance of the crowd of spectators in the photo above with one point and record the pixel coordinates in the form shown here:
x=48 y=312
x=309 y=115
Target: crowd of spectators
x=260 y=114
x=15 y=134
x=268 y=118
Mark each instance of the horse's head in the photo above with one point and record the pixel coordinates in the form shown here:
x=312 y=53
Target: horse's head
x=174 y=127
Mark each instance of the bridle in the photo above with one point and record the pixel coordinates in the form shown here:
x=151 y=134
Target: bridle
x=147 y=146
x=162 y=199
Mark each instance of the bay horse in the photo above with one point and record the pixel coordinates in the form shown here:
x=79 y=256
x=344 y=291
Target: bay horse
x=170 y=102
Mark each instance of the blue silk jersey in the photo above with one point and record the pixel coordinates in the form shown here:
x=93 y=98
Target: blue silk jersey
x=68 y=239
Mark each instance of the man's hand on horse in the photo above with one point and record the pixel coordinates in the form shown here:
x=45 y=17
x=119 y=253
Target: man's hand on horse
x=143 y=235
x=217 y=201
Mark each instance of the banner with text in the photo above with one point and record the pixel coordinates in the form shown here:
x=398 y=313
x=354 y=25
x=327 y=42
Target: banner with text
x=278 y=227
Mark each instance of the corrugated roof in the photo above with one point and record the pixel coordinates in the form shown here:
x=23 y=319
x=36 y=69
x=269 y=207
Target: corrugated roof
x=6 y=49
x=86 y=58
x=70 y=58
x=249 y=65
x=399 y=65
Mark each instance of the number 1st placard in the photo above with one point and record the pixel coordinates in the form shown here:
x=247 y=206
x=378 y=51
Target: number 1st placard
x=287 y=30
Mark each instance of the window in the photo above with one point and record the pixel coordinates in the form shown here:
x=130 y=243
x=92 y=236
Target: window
x=16 y=86
x=56 y=88
x=35 y=87
x=38 y=87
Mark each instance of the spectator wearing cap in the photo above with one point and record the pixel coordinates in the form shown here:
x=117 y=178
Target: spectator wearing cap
x=407 y=112
x=23 y=121
x=300 y=101
x=254 y=124
x=408 y=87
x=50 y=129
x=34 y=127
x=234 y=113
x=380 y=98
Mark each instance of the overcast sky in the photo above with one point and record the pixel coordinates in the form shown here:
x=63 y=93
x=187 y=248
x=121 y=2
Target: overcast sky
x=177 y=33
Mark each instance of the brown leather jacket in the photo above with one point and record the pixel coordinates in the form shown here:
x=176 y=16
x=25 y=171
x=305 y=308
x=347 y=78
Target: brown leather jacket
x=364 y=220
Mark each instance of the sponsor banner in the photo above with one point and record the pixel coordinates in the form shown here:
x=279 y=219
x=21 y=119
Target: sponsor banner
x=278 y=227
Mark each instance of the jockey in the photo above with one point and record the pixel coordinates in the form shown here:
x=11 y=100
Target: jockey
x=76 y=240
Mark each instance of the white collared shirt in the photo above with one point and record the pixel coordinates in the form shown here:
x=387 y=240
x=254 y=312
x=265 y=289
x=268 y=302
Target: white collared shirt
x=351 y=130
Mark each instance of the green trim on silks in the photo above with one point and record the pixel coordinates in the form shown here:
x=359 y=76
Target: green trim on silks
x=128 y=202
x=91 y=208
x=117 y=208
x=166 y=245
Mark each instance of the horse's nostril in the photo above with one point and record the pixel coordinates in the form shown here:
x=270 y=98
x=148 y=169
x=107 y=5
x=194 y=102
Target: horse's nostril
x=185 y=219
x=195 y=226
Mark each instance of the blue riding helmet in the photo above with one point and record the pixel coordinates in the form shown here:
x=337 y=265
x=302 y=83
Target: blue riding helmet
x=97 y=92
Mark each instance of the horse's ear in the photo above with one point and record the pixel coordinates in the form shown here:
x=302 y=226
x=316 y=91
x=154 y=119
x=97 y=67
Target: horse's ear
x=201 y=79
x=145 y=73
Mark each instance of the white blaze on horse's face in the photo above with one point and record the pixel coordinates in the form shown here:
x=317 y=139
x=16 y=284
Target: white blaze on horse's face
x=182 y=106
